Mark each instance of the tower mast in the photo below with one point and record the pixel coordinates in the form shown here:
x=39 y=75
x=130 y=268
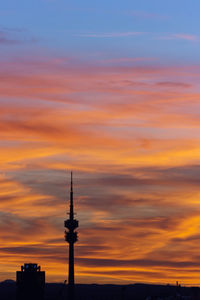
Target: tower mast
x=71 y=237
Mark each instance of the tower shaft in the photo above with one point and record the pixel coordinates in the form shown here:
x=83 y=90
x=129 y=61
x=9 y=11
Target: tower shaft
x=71 y=265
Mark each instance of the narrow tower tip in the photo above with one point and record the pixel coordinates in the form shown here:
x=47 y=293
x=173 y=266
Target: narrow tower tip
x=71 y=181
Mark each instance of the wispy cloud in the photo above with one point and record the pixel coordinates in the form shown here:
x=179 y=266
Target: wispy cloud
x=173 y=36
x=147 y=15
x=180 y=36
x=11 y=36
x=172 y=84
x=128 y=59
x=6 y=12
x=111 y=34
x=188 y=37
x=5 y=39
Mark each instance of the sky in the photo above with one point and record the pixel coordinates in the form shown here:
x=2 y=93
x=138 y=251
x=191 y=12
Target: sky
x=108 y=89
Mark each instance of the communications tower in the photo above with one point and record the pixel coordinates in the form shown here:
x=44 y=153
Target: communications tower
x=71 y=237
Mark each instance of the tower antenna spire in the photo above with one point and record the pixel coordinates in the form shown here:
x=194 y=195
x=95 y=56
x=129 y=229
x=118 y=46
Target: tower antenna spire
x=71 y=181
x=71 y=199
x=71 y=237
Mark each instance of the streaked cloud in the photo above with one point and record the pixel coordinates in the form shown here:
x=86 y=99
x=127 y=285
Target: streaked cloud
x=14 y=36
x=130 y=133
x=147 y=15
x=5 y=39
x=110 y=34
x=181 y=36
x=128 y=60
x=169 y=84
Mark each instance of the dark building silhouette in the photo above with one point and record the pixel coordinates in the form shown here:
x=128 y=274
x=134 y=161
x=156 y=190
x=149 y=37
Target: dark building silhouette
x=71 y=237
x=30 y=282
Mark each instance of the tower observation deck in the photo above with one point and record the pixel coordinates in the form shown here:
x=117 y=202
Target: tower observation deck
x=71 y=237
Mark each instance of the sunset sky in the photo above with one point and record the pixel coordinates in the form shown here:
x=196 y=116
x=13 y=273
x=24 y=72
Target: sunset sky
x=111 y=90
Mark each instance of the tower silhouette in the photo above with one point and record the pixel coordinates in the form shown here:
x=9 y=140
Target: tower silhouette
x=71 y=237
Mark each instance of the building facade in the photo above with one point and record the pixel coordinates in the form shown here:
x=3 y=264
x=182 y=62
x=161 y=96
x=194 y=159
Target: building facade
x=30 y=282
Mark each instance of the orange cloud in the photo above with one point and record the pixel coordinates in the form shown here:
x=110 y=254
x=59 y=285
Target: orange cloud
x=131 y=136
